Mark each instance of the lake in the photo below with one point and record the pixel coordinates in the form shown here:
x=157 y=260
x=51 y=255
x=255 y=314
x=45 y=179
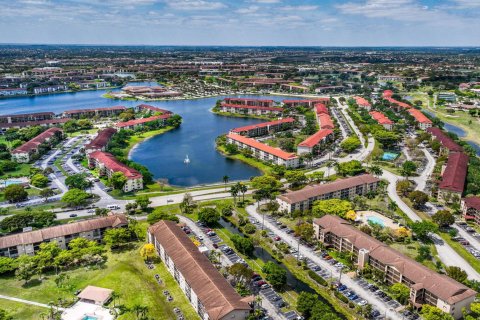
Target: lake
x=163 y=154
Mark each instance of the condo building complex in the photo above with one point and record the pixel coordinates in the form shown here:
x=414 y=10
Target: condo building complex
x=426 y=286
x=36 y=146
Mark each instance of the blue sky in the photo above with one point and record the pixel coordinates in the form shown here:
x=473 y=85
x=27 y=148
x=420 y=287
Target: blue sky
x=242 y=22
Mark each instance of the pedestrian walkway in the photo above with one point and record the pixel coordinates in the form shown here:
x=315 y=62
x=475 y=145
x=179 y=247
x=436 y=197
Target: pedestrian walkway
x=33 y=303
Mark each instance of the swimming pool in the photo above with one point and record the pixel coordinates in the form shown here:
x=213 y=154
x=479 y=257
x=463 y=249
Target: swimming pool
x=376 y=220
x=389 y=156
x=89 y=318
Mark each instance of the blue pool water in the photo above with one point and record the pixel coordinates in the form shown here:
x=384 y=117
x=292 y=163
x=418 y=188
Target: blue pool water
x=376 y=220
x=89 y=318
x=389 y=156
x=9 y=182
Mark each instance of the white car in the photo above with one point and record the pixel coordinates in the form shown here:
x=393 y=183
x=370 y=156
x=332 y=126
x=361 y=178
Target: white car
x=362 y=303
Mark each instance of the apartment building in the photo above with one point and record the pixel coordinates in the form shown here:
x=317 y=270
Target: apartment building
x=250 y=110
x=151 y=109
x=447 y=143
x=264 y=128
x=140 y=123
x=397 y=105
x=320 y=108
x=347 y=188
x=249 y=102
x=447 y=96
x=454 y=174
x=363 y=103
x=264 y=152
x=325 y=121
x=36 y=146
x=313 y=143
x=97 y=112
x=26 y=117
x=29 y=242
x=209 y=293
x=108 y=165
x=13 y=92
x=304 y=102
x=382 y=120
x=470 y=207
x=423 y=122
x=49 y=89
x=426 y=286
x=100 y=142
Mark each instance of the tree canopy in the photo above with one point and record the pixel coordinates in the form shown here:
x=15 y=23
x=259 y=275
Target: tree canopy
x=335 y=207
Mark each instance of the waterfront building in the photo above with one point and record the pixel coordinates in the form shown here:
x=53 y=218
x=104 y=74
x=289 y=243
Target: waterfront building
x=426 y=286
x=151 y=109
x=49 y=89
x=454 y=174
x=107 y=165
x=347 y=188
x=140 y=123
x=29 y=242
x=97 y=112
x=250 y=110
x=447 y=143
x=304 y=102
x=313 y=143
x=13 y=92
x=382 y=120
x=447 y=96
x=363 y=103
x=100 y=142
x=264 y=128
x=422 y=121
x=35 y=147
x=209 y=293
x=249 y=102
x=26 y=117
x=264 y=152
x=325 y=121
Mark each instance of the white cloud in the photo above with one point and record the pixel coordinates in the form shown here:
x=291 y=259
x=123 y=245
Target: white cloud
x=266 y=1
x=248 y=10
x=195 y=5
x=467 y=4
x=299 y=8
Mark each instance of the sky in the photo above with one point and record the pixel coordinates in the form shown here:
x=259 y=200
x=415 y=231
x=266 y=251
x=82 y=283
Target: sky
x=242 y=22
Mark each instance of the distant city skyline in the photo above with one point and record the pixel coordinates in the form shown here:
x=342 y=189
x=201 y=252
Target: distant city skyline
x=242 y=22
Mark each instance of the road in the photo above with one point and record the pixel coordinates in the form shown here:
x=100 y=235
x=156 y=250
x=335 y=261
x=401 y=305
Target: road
x=307 y=252
x=421 y=180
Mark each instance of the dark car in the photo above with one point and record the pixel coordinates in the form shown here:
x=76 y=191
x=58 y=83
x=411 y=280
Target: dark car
x=73 y=215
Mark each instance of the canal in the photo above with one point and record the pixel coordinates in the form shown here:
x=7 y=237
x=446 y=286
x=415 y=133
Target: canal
x=164 y=154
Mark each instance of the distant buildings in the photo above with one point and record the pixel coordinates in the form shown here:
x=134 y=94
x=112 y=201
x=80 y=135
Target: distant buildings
x=212 y=297
x=382 y=119
x=447 y=96
x=265 y=128
x=140 y=123
x=107 y=165
x=264 y=152
x=426 y=286
x=49 y=89
x=250 y=110
x=13 y=92
x=249 y=102
x=313 y=143
x=97 y=112
x=151 y=91
x=100 y=142
x=29 y=242
x=363 y=103
x=342 y=188
x=35 y=147
x=397 y=105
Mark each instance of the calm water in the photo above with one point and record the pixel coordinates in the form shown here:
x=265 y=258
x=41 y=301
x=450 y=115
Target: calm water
x=163 y=154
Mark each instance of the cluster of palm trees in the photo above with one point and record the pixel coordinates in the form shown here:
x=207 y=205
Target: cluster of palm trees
x=236 y=189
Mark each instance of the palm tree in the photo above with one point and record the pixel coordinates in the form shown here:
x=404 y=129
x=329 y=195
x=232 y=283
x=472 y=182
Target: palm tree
x=243 y=189
x=225 y=180
x=234 y=191
x=140 y=311
x=376 y=170
x=115 y=295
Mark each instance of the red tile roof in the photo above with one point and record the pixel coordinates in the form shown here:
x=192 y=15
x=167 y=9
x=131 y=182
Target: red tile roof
x=153 y=108
x=362 y=102
x=243 y=106
x=95 y=110
x=248 y=99
x=321 y=108
x=33 y=123
x=141 y=121
x=314 y=139
x=102 y=139
x=33 y=144
x=380 y=117
x=325 y=121
x=387 y=95
x=472 y=202
x=114 y=165
x=263 y=124
x=455 y=173
x=325 y=100
x=444 y=139
x=263 y=147
x=419 y=116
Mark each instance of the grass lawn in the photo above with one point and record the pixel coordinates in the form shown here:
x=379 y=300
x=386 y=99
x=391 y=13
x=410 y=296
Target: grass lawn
x=23 y=170
x=125 y=273
x=266 y=169
x=21 y=310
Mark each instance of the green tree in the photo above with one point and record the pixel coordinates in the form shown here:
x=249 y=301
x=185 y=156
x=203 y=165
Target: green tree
x=305 y=231
x=39 y=180
x=78 y=181
x=403 y=187
x=335 y=207
x=4 y=315
x=376 y=170
x=225 y=181
x=317 y=176
x=456 y=273
x=241 y=273
x=231 y=148
x=116 y=237
x=423 y=228
x=7 y=265
x=118 y=180
x=159 y=214
x=350 y=168
x=46 y=193
x=15 y=193
x=295 y=178
x=305 y=303
x=408 y=168
x=267 y=183
x=433 y=313
x=418 y=198
x=75 y=198
x=443 y=218
x=209 y=216
x=400 y=292
x=26 y=268
x=242 y=244
x=143 y=202
x=276 y=275
x=350 y=144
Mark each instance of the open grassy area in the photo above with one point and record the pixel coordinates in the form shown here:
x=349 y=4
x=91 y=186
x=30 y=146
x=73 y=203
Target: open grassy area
x=21 y=310
x=23 y=170
x=266 y=169
x=124 y=272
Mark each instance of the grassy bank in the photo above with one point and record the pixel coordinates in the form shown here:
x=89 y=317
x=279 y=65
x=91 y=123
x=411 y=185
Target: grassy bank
x=266 y=169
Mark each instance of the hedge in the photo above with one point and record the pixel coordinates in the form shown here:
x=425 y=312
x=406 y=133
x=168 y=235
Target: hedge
x=317 y=278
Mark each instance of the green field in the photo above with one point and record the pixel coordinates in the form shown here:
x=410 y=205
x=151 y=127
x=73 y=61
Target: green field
x=124 y=272
x=22 y=311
